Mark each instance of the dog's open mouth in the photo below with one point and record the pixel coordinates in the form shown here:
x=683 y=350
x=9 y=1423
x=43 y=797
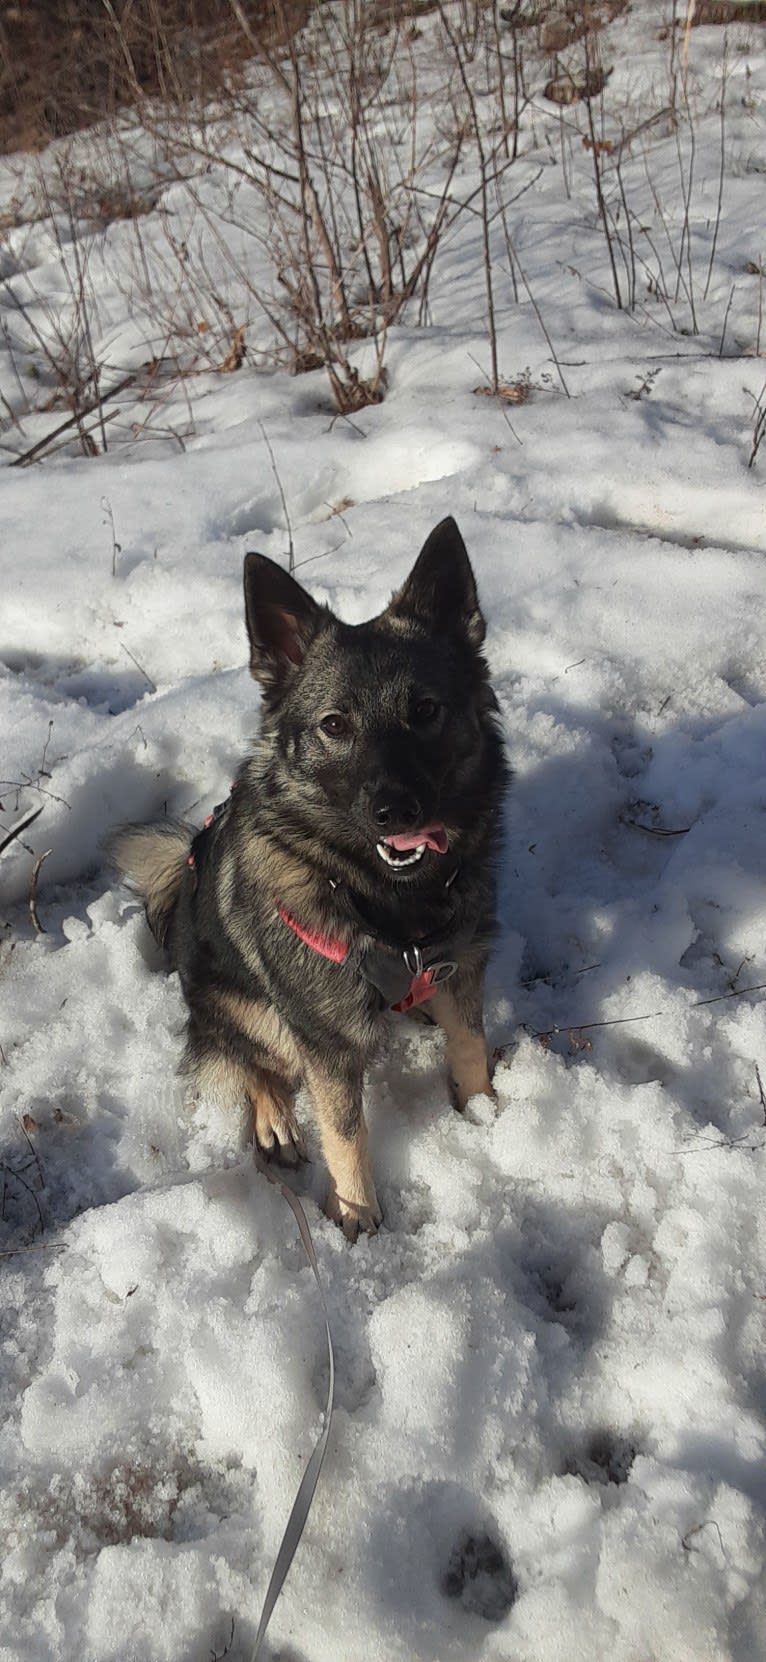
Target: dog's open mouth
x=406 y=848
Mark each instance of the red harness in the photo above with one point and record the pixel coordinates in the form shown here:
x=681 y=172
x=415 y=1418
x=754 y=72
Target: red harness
x=422 y=986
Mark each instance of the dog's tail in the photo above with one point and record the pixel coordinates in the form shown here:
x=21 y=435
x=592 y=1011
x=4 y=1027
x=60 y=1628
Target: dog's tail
x=154 y=859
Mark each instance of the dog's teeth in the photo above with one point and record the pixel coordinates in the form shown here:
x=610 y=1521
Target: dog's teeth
x=402 y=859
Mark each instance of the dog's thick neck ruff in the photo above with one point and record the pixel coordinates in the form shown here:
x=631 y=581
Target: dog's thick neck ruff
x=399 y=973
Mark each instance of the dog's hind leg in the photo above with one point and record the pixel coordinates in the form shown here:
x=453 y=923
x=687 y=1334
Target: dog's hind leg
x=337 y=1097
x=276 y=1130
x=457 y=1007
x=236 y=1082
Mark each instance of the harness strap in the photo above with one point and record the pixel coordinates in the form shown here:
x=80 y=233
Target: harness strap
x=423 y=982
x=422 y=987
x=328 y=946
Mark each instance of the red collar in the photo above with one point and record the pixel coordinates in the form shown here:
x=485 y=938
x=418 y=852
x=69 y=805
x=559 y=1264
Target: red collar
x=421 y=988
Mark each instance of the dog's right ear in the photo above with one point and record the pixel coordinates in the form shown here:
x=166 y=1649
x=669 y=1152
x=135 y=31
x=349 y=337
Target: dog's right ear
x=282 y=620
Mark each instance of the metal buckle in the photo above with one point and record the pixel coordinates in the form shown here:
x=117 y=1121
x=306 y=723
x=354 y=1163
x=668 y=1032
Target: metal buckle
x=440 y=972
x=413 y=959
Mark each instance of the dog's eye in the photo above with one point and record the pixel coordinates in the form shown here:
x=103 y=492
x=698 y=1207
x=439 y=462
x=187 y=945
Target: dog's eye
x=426 y=711
x=336 y=727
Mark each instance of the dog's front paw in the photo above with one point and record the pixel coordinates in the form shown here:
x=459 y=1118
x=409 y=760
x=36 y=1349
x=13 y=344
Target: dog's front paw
x=468 y=1070
x=353 y=1216
x=461 y=1092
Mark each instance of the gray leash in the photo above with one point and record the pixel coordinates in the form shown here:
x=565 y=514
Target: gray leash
x=296 y=1522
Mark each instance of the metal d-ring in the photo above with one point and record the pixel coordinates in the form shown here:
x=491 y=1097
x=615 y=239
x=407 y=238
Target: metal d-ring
x=413 y=959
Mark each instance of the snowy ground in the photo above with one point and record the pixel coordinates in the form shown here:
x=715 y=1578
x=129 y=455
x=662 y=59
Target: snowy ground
x=549 y=1430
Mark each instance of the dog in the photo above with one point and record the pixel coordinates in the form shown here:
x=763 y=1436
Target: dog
x=353 y=868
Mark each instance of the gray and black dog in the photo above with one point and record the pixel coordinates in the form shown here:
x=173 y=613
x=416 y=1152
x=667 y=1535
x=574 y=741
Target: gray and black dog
x=352 y=870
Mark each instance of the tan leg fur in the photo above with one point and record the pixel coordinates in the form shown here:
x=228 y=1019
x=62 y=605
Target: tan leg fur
x=351 y=1199
x=466 y=1050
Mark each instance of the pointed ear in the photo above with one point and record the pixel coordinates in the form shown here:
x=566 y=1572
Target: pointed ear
x=440 y=590
x=282 y=619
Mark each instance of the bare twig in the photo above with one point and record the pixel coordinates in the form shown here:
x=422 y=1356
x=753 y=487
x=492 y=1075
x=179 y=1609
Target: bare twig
x=22 y=826
x=732 y=293
x=586 y=1026
x=285 y=510
x=759 y=424
x=709 y=1523
x=759 y=988
x=71 y=421
x=32 y=1150
x=592 y=75
x=538 y=314
x=761 y=1092
x=116 y=546
x=33 y=891
x=42 y=771
x=149 y=682
x=651 y=1015
x=721 y=165
x=656 y=830
x=16 y=1177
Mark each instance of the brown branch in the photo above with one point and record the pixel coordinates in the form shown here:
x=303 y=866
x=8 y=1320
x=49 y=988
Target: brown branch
x=41 y=930
x=71 y=421
x=761 y=1092
x=22 y=826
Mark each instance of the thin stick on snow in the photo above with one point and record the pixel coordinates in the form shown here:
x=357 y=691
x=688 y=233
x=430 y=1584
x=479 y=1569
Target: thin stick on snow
x=538 y=314
x=71 y=421
x=761 y=1092
x=33 y=912
x=759 y=424
x=33 y=1151
x=732 y=293
x=280 y=488
x=22 y=826
x=656 y=830
x=721 y=165
x=116 y=546
x=16 y=1177
x=651 y=1015
x=149 y=682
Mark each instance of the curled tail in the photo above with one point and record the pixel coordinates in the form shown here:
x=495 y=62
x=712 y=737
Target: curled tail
x=153 y=858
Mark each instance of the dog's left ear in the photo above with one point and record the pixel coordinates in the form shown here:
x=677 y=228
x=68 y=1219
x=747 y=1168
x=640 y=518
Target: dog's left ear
x=440 y=591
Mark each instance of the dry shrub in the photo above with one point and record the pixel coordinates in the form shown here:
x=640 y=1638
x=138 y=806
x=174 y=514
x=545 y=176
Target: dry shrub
x=65 y=64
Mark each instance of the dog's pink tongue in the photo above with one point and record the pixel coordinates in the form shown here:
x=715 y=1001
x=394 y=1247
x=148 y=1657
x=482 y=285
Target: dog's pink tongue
x=434 y=836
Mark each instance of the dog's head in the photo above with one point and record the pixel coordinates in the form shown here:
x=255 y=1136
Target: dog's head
x=381 y=731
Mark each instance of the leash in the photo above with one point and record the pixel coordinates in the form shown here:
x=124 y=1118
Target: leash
x=301 y=1506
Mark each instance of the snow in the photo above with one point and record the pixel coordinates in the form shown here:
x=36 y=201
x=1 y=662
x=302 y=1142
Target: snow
x=549 y=1435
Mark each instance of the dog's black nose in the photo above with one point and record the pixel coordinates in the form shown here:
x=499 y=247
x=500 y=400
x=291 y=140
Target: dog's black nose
x=394 y=809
